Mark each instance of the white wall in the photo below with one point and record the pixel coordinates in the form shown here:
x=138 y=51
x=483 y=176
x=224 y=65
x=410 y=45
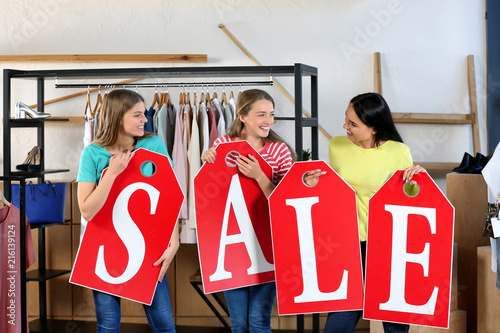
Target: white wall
x=424 y=45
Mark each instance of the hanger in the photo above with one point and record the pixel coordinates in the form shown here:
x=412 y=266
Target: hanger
x=215 y=93
x=224 y=94
x=88 y=114
x=98 y=104
x=208 y=101
x=5 y=201
x=231 y=95
x=156 y=99
x=202 y=99
x=239 y=92
x=194 y=95
x=181 y=97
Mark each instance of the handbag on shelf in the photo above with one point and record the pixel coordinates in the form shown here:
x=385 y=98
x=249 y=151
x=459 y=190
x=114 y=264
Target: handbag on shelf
x=491 y=212
x=45 y=202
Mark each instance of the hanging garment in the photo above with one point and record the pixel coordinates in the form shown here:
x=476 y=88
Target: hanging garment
x=228 y=116
x=171 y=118
x=161 y=124
x=148 y=127
x=188 y=232
x=95 y=126
x=203 y=128
x=10 y=284
x=88 y=133
x=180 y=159
x=219 y=116
x=212 y=126
x=232 y=105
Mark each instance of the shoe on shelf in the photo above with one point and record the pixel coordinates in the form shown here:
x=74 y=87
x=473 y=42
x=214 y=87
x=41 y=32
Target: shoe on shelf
x=481 y=162
x=22 y=110
x=28 y=160
x=35 y=164
x=468 y=161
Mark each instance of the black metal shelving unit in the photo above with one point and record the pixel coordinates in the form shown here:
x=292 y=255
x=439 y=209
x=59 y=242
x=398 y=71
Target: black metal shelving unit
x=298 y=71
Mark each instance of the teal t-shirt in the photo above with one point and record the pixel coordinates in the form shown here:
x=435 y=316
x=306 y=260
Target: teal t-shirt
x=95 y=158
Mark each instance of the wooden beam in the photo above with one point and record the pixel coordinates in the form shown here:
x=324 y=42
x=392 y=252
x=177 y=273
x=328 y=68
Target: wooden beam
x=378 y=73
x=473 y=103
x=276 y=83
x=170 y=58
x=432 y=118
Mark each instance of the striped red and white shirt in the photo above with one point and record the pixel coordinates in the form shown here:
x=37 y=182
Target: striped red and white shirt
x=276 y=154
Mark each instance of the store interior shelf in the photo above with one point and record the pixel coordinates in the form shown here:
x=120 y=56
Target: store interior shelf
x=37 y=275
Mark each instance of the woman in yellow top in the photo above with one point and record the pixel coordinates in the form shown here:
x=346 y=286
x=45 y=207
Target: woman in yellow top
x=365 y=158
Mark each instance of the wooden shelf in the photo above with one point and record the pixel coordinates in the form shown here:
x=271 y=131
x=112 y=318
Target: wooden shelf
x=432 y=118
x=163 y=58
x=437 y=167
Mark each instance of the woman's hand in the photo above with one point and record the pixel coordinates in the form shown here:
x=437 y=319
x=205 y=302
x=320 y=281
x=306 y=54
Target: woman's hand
x=118 y=162
x=165 y=260
x=209 y=156
x=411 y=171
x=311 y=178
x=250 y=167
x=169 y=254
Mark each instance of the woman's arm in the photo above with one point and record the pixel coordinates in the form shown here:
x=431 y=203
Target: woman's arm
x=169 y=253
x=92 y=198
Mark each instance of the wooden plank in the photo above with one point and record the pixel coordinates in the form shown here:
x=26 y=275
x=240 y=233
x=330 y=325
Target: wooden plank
x=378 y=73
x=473 y=103
x=432 y=118
x=170 y=58
x=437 y=167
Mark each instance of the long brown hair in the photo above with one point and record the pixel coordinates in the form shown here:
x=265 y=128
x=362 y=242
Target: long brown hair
x=244 y=104
x=113 y=108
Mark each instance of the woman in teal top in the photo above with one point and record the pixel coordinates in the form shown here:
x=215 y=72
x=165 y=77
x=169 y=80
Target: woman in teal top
x=365 y=158
x=120 y=133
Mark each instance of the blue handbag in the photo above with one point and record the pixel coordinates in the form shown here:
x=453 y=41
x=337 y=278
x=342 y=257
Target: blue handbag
x=45 y=203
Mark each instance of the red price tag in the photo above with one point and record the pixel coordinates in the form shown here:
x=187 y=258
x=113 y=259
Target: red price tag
x=131 y=231
x=232 y=222
x=409 y=254
x=316 y=243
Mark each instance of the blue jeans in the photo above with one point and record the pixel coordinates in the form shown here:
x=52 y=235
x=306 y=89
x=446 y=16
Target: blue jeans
x=346 y=321
x=251 y=307
x=159 y=313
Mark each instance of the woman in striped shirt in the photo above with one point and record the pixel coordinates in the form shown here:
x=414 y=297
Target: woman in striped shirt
x=250 y=307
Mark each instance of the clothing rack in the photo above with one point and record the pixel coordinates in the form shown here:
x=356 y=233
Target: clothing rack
x=167 y=84
x=297 y=71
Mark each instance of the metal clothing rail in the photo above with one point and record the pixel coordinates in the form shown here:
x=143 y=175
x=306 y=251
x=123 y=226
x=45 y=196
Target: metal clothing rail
x=166 y=84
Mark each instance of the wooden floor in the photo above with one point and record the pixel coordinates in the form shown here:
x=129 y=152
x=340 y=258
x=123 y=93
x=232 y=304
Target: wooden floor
x=61 y=326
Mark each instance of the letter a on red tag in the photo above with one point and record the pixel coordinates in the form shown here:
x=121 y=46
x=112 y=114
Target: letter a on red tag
x=232 y=222
x=131 y=231
x=409 y=253
x=316 y=243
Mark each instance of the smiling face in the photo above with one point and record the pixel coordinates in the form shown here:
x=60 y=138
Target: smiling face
x=357 y=131
x=258 y=121
x=132 y=123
